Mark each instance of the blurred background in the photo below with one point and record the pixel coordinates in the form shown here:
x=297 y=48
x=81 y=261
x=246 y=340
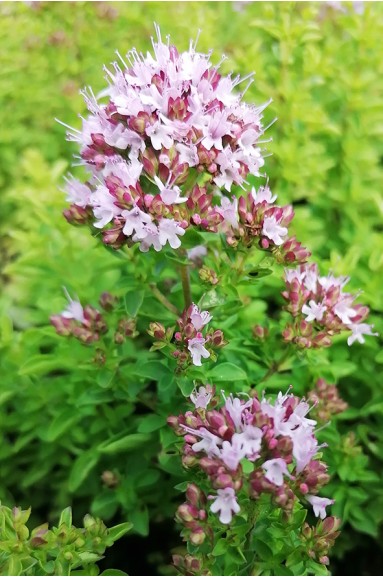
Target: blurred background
x=322 y=65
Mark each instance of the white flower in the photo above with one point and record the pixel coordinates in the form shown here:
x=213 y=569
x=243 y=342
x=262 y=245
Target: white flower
x=159 y=135
x=226 y=504
x=343 y=310
x=197 y=252
x=275 y=470
x=233 y=451
x=201 y=398
x=168 y=231
x=197 y=350
x=305 y=446
x=74 y=309
x=273 y=231
x=235 y=408
x=77 y=192
x=169 y=195
x=319 y=505
x=229 y=211
x=135 y=220
x=314 y=310
x=149 y=237
x=208 y=443
x=251 y=439
x=199 y=318
x=103 y=205
x=263 y=194
x=358 y=330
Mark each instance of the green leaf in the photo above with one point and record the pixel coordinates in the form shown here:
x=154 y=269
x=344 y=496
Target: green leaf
x=133 y=301
x=81 y=469
x=220 y=547
x=126 y=443
x=59 y=425
x=227 y=372
x=152 y=369
x=42 y=364
x=117 y=532
x=151 y=423
x=113 y=572
x=66 y=517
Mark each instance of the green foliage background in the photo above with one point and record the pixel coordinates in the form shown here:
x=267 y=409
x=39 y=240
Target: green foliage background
x=63 y=420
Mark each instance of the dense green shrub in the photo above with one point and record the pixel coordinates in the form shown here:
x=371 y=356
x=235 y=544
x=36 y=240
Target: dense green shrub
x=78 y=431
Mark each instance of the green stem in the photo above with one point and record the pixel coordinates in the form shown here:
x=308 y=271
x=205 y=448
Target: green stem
x=162 y=299
x=275 y=366
x=185 y=279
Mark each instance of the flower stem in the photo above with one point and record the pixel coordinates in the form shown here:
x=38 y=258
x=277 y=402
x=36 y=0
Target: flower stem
x=162 y=299
x=185 y=279
x=275 y=366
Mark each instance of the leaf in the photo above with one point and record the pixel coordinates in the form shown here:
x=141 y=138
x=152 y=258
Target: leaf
x=140 y=520
x=151 y=423
x=133 y=301
x=42 y=364
x=118 y=531
x=228 y=372
x=81 y=468
x=59 y=425
x=66 y=517
x=220 y=547
x=151 y=369
x=113 y=572
x=129 y=442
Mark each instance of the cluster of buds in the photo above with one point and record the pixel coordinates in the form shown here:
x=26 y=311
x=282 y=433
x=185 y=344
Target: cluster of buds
x=87 y=324
x=170 y=123
x=321 y=309
x=84 y=323
x=276 y=438
x=256 y=218
x=208 y=275
x=327 y=401
x=193 y=516
x=189 y=565
x=320 y=539
x=192 y=342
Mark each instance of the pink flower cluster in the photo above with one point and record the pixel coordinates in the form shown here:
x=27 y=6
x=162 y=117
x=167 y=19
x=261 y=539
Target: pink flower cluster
x=192 y=342
x=277 y=439
x=170 y=120
x=87 y=324
x=321 y=309
x=327 y=401
x=84 y=323
x=256 y=217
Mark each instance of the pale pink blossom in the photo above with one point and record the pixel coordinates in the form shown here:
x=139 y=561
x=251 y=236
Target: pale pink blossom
x=358 y=330
x=272 y=230
x=77 y=192
x=263 y=195
x=229 y=211
x=226 y=504
x=197 y=350
x=169 y=231
x=135 y=221
x=319 y=505
x=275 y=470
x=314 y=311
x=199 y=318
x=74 y=309
x=169 y=194
x=201 y=397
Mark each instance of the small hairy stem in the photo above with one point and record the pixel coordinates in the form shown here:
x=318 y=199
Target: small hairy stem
x=275 y=366
x=185 y=279
x=162 y=299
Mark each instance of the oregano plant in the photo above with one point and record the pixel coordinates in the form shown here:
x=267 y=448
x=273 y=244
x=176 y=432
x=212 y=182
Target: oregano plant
x=175 y=187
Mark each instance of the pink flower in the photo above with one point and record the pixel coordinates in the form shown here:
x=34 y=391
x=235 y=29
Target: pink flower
x=197 y=350
x=305 y=446
x=272 y=230
x=169 y=231
x=358 y=330
x=229 y=211
x=319 y=505
x=169 y=195
x=275 y=470
x=199 y=318
x=343 y=310
x=314 y=310
x=202 y=397
x=77 y=193
x=74 y=309
x=135 y=221
x=208 y=443
x=263 y=195
x=226 y=504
